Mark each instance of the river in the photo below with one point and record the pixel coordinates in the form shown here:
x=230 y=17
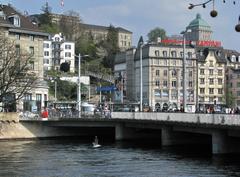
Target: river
x=72 y=157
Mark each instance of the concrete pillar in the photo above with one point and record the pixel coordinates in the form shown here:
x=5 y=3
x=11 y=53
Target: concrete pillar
x=219 y=142
x=167 y=136
x=119 y=132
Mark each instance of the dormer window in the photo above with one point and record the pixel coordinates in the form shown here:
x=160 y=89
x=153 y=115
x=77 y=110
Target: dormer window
x=15 y=20
x=233 y=58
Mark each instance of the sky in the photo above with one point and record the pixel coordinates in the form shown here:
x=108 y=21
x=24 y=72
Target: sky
x=141 y=16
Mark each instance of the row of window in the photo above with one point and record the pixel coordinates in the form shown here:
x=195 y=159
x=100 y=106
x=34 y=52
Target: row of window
x=17 y=48
x=211 y=81
x=18 y=37
x=172 y=62
x=211 y=99
x=211 y=91
x=56 y=62
x=174 y=83
x=56 y=54
x=174 y=73
x=56 y=46
x=173 y=54
x=211 y=72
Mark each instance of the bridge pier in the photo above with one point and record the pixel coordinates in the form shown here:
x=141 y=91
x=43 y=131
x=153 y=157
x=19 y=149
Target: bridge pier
x=220 y=143
x=125 y=133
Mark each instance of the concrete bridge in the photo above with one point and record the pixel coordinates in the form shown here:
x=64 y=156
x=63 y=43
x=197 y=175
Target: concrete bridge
x=221 y=131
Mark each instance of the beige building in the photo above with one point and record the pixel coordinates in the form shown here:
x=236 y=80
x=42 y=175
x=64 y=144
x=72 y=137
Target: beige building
x=162 y=75
x=211 y=78
x=28 y=38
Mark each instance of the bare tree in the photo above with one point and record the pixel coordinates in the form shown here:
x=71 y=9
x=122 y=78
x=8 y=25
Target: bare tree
x=69 y=24
x=16 y=71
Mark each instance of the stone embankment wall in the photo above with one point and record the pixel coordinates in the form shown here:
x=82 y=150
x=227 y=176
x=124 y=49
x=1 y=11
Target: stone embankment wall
x=11 y=128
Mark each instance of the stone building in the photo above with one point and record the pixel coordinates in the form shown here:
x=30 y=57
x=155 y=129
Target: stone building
x=27 y=37
x=162 y=75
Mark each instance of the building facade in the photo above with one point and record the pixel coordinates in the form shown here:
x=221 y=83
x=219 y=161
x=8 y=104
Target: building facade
x=28 y=38
x=162 y=75
x=57 y=51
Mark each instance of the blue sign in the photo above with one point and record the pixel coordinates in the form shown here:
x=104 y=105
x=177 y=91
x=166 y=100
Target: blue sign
x=106 y=88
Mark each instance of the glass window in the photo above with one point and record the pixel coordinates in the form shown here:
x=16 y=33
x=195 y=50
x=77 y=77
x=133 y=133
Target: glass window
x=202 y=81
x=211 y=90
x=220 y=72
x=202 y=90
x=165 y=72
x=174 y=83
x=164 y=53
x=67 y=46
x=31 y=49
x=157 y=72
x=220 y=81
x=45 y=45
x=157 y=53
x=165 y=83
x=46 y=53
x=201 y=71
x=211 y=72
x=211 y=81
x=31 y=38
x=157 y=83
x=220 y=91
x=174 y=54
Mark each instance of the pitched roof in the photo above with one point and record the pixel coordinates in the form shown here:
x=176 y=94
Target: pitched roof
x=25 y=23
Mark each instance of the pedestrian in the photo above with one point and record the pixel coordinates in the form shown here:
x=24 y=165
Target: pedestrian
x=45 y=113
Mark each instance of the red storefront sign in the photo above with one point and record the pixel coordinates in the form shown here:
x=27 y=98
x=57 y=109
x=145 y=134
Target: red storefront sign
x=197 y=43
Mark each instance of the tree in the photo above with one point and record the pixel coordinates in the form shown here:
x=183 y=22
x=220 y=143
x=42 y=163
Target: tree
x=16 y=74
x=110 y=45
x=155 y=33
x=69 y=24
x=45 y=20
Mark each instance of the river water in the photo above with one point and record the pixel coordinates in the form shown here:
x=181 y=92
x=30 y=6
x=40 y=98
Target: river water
x=72 y=157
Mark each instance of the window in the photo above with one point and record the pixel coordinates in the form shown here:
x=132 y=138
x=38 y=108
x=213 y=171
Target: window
x=165 y=83
x=174 y=83
x=220 y=72
x=17 y=36
x=31 y=38
x=174 y=62
x=220 y=81
x=165 y=72
x=201 y=71
x=211 y=63
x=17 y=50
x=211 y=72
x=157 y=72
x=190 y=83
x=220 y=91
x=67 y=46
x=189 y=54
x=38 y=97
x=157 y=83
x=46 y=61
x=67 y=54
x=202 y=90
x=45 y=45
x=156 y=53
x=211 y=90
x=27 y=97
x=46 y=53
x=31 y=49
x=174 y=73
x=202 y=81
x=164 y=53
x=190 y=74
x=181 y=54
x=211 y=81
x=173 y=54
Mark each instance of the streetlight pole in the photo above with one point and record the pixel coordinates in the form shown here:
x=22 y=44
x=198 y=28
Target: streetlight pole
x=55 y=90
x=79 y=85
x=141 y=79
x=184 y=70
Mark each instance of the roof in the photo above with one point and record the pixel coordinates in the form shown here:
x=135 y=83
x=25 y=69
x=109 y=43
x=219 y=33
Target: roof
x=218 y=54
x=26 y=25
x=104 y=28
x=198 y=22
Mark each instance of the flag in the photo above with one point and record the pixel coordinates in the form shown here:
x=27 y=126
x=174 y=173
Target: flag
x=62 y=3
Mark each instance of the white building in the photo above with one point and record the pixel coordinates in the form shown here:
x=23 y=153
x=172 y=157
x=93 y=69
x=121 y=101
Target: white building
x=58 y=51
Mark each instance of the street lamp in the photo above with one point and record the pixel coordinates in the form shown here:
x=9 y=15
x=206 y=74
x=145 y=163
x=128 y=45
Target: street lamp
x=141 y=78
x=79 y=84
x=184 y=68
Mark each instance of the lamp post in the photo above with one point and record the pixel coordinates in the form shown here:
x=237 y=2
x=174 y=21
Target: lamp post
x=184 y=69
x=141 y=79
x=79 y=84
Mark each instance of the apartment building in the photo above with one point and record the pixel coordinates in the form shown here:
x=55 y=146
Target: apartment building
x=57 y=51
x=162 y=75
x=27 y=37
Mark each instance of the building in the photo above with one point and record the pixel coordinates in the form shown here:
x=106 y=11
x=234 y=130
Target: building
x=232 y=78
x=162 y=75
x=97 y=32
x=27 y=37
x=57 y=51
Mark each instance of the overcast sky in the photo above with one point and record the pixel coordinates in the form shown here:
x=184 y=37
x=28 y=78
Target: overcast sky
x=140 y=16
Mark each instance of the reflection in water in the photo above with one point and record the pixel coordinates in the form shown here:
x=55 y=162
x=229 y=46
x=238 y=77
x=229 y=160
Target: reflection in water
x=78 y=158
